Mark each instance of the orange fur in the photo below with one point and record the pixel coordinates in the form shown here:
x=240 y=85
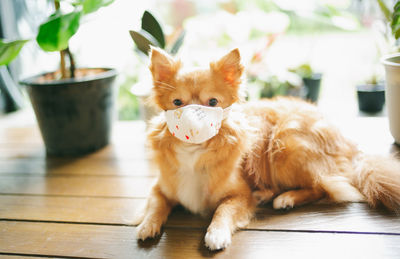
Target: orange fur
x=280 y=149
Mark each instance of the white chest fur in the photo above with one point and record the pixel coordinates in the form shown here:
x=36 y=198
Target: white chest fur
x=192 y=185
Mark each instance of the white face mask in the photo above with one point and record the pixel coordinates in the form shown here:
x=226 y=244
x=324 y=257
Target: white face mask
x=195 y=123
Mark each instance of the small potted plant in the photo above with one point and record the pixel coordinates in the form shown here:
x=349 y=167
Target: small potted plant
x=73 y=106
x=311 y=80
x=151 y=34
x=283 y=83
x=371 y=95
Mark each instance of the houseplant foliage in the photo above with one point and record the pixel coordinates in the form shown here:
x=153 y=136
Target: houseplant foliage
x=73 y=107
x=284 y=83
x=55 y=32
x=151 y=34
x=392 y=17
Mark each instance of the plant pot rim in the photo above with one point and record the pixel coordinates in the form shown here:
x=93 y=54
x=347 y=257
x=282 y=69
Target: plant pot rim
x=32 y=81
x=388 y=60
x=370 y=87
x=314 y=76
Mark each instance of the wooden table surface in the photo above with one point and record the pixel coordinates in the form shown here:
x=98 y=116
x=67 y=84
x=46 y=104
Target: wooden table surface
x=81 y=208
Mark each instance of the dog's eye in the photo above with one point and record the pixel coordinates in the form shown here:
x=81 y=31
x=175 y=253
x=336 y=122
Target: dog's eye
x=177 y=102
x=213 y=102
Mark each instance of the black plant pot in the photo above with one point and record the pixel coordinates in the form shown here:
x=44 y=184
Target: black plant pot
x=371 y=98
x=313 y=85
x=74 y=115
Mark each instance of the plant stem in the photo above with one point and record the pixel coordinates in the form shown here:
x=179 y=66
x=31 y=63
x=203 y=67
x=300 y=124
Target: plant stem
x=62 y=64
x=71 y=63
x=62 y=53
x=57 y=4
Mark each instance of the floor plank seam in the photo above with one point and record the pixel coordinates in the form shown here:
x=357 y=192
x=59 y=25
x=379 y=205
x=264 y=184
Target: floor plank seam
x=38 y=174
x=102 y=158
x=203 y=228
x=66 y=222
x=324 y=231
x=77 y=176
x=47 y=256
x=72 y=196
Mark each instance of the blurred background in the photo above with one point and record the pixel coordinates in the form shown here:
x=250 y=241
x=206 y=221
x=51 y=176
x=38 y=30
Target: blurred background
x=340 y=40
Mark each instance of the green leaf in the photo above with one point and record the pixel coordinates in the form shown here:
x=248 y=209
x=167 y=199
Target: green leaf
x=395 y=24
x=55 y=33
x=9 y=50
x=90 y=6
x=385 y=10
x=178 y=43
x=304 y=70
x=143 y=40
x=152 y=26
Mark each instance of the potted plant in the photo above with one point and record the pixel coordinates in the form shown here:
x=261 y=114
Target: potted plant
x=282 y=83
x=151 y=34
x=73 y=106
x=311 y=80
x=371 y=95
x=391 y=63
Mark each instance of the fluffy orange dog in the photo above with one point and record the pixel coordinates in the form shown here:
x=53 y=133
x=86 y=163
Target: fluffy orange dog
x=280 y=150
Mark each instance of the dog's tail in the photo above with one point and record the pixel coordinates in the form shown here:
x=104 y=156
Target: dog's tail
x=378 y=179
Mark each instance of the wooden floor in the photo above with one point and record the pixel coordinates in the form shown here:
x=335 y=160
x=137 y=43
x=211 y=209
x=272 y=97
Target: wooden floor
x=82 y=207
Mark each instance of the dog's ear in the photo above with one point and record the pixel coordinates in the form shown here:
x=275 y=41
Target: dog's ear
x=229 y=68
x=163 y=67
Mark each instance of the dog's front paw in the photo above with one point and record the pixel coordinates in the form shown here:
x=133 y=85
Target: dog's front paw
x=148 y=229
x=218 y=238
x=262 y=196
x=284 y=201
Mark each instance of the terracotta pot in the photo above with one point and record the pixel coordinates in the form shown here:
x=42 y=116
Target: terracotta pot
x=392 y=70
x=74 y=115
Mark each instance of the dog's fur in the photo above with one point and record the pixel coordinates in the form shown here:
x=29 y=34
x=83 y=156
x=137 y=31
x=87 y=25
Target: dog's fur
x=281 y=150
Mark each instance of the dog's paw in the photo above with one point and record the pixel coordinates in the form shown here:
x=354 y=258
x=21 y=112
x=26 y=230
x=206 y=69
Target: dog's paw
x=218 y=238
x=262 y=196
x=284 y=201
x=148 y=229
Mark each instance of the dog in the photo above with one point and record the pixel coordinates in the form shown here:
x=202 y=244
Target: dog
x=243 y=154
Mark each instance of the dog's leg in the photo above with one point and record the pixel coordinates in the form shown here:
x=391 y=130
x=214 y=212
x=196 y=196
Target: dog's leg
x=293 y=198
x=156 y=213
x=232 y=213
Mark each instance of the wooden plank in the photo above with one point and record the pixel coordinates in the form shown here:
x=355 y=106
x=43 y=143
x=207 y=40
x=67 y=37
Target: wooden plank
x=77 y=166
x=119 y=242
x=113 y=151
x=70 y=209
x=355 y=217
x=17 y=256
x=21 y=135
x=30 y=134
x=21 y=118
x=133 y=187
x=352 y=217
